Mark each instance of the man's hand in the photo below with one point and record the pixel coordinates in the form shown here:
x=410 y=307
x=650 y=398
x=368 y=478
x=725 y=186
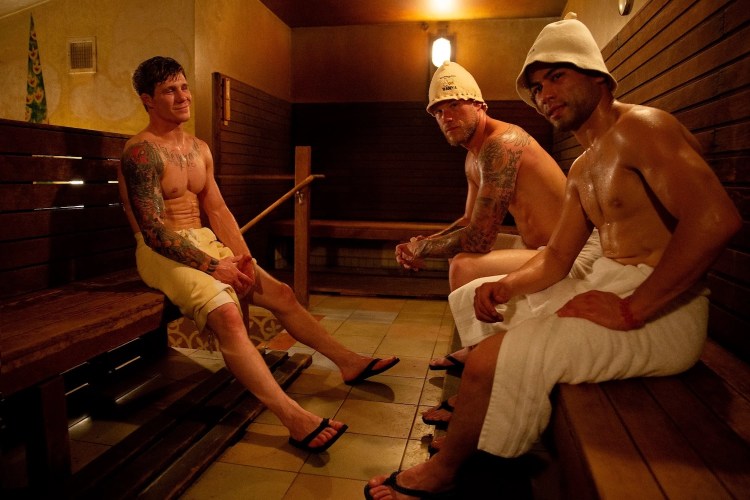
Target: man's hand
x=233 y=271
x=603 y=308
x=406 y=254
x=487 y=296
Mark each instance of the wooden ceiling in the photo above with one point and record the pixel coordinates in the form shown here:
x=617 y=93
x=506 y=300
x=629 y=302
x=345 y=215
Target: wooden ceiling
x=309 y=13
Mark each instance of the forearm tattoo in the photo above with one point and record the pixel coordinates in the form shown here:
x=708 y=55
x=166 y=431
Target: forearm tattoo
x=142 y=168
x=498 y=164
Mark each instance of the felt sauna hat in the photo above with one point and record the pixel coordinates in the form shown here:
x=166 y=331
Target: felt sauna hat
x=451 y=81
x=566 y=41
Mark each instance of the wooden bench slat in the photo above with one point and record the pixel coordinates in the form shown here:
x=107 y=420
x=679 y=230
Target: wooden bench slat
x=608 y=456
x=712 y=438
x=20 y=169
x=678 y=469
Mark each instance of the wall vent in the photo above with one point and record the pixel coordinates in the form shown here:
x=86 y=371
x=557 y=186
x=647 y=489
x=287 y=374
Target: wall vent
x=82 y=55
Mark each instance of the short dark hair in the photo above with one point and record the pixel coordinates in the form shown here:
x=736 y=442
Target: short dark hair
x=154 y=71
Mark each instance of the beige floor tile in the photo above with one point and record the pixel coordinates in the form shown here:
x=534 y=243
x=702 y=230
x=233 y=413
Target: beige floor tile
x=323 y=383
x=380 y=317
x=360 y=343
x=376 y=418
x=388 y=389
x=432 y=392
x=401 y=345
x=357 y=456
x=223 y=481
x=332 y=324
x=409 y=367
x=383 y=304
x=417 y=331
x=309 y=487
x=420 y=430
x=416 y=453
x=419 y=320
x=426 y=306
x=266 y=446
x=322 y=406
x=366 y=328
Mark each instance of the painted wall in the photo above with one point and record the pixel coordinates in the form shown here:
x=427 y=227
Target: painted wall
x=243 y=40
x=126 y=34
x=390 y=62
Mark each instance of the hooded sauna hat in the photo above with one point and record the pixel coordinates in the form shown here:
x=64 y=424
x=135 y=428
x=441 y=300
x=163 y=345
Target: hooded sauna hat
x=451 y=81
x=566 y=41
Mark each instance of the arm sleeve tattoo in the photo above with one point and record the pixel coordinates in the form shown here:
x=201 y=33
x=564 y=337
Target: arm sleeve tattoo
x=142 y=168
x=498 y=161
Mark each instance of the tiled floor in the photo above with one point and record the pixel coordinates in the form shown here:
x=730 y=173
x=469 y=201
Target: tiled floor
x=385 y=431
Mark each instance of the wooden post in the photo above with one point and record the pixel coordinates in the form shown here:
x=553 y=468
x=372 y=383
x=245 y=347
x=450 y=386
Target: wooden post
x=302 y=169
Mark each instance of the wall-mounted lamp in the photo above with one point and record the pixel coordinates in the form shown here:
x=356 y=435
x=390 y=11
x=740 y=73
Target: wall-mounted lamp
x=441 y=51
x=443 y=46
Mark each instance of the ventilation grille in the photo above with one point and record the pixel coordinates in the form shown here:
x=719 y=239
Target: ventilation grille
x=82 y=55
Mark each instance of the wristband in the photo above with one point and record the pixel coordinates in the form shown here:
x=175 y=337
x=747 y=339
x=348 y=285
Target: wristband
x=627 y=314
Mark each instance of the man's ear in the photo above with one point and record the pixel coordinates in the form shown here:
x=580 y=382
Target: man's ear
x=146 y=100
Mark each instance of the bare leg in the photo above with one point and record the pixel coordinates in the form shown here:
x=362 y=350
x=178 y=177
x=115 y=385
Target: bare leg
x=247 y=365
x=439 y=473
x=466 y=267
x=279 y=298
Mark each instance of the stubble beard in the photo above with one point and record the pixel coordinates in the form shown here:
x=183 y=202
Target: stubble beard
x=466 y=134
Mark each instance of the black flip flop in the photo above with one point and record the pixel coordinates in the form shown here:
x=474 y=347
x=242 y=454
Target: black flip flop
x=440 y=424
x=455 y=366
x=426 y=495
x=369 y=372
x=304 y=444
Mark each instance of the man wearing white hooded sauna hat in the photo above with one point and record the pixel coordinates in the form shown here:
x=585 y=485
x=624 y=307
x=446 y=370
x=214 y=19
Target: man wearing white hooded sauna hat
x=663 y=217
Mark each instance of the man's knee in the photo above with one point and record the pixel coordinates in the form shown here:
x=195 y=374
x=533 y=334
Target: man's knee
x=482 y=360
x=462 y=270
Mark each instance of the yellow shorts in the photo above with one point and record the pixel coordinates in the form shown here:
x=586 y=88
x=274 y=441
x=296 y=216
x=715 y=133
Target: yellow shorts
x=194 y=292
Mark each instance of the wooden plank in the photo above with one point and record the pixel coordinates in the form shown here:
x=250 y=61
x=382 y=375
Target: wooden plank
x=719 y=447
x=20 y=169
x=679 y=470
x=41 y=223
x=609 y=455
x=127 y=480
x=184 y=471
x=15 y=197
x=25 y=138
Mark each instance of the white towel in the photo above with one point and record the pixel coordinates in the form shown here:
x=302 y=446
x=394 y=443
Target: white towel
x=540 y=349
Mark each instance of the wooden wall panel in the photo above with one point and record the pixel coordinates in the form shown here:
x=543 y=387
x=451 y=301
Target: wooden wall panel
x=690 y=58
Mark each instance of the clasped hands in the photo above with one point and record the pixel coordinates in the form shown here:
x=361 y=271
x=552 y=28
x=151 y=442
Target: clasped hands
x=603 y=308
x=237 y=271
x=406 y=254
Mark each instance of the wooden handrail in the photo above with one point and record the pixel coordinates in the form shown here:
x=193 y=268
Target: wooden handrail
x=281 y=200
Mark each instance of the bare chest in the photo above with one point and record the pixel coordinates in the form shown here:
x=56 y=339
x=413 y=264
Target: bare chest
x=183 y=173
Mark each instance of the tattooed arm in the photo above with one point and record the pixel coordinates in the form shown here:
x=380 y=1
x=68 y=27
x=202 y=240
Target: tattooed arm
x=498 y=162
x=142 y=168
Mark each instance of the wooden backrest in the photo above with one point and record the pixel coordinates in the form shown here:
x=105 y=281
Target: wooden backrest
x=54 y=232
x=691 y=59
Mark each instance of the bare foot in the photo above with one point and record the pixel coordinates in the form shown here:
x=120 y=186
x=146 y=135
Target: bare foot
x=454 y=360
x=440 y=414
x=418 y=482
x=319 y=437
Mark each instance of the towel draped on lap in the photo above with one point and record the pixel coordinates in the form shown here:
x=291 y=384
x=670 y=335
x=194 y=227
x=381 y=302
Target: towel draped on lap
x=194 y=292
x=540 y=349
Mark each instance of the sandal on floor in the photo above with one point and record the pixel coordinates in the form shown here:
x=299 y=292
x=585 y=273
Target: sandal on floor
x=304 y=444
x=426 y=495
x=456 y=365
x=369 y=371
x=440 y=424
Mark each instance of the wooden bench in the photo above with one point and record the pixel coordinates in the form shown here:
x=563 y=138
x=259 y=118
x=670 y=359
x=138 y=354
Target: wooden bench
x=70 y=291
x=685 y=436
x=74 y=312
